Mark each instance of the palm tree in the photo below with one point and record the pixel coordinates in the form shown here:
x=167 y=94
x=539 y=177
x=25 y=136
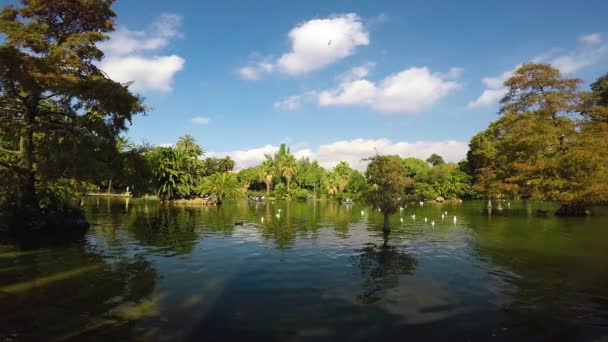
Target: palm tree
x=222 y=185
x=169 y=169
x=342 y=171
x=288 y=169
x=188 y=144
x=226 y=164
x=331 y=183
x=266 y=173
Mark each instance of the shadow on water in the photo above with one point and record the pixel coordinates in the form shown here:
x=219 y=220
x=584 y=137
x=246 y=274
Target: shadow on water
x=72 y=293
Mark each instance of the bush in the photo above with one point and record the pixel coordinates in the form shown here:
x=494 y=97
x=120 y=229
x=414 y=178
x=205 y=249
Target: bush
x=300 y=194
x=280 y=191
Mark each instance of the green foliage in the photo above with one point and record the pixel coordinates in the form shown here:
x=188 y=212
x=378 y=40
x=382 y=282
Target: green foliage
x=170 y=170
x=540 y=148
x=280 y=192
x=221 y=185
x=387 y=183
x=435 y=160
x=300 y=194
x=60 y=113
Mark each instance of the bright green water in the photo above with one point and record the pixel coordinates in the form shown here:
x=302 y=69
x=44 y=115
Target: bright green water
x=316 y=272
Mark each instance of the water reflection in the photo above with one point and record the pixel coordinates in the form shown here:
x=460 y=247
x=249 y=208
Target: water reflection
x=317 y=270
x=381 y=268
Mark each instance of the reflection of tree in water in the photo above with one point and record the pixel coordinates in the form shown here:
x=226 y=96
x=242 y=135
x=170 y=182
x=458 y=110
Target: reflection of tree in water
x=380 y=268
x=73 y=293
x=164 y=226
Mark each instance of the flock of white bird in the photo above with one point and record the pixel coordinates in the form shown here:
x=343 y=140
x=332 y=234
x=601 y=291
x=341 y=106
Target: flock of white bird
x=444 y=215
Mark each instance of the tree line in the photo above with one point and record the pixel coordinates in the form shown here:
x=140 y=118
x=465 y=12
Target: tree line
x=62 y=125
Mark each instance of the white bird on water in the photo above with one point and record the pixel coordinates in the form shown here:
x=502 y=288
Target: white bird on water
x=446 y=213
x=279 y=210
x=379 y=209
x=362 y=213
x=278 y=215
x=401 y=219
x=425 y=219
x=262 y=219
x=421 y=203
x=400 y=208
x=454 y=219
x=442 y=216
x=413 y=216
x=433 y=223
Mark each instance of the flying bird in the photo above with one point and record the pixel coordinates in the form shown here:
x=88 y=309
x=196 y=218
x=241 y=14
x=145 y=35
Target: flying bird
x=329 y=42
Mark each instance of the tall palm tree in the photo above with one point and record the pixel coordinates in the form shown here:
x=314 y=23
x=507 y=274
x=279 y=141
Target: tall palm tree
x=288 y=169
x=266 y=173
x=188 y=144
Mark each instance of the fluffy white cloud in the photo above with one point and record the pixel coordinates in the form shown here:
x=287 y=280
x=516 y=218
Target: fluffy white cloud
x=146 y=73
x=592 y=38
x=200 y=120
x=127 y=56
x=314 y=44
x=354 y=151
x=319 y=42
x=494 y=89
x=588 y=53
x=410 y=90
x=349 y=93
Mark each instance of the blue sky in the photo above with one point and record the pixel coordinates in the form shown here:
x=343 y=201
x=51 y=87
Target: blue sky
x=403 y=77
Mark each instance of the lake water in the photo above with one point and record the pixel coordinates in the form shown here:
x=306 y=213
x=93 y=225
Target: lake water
x=313 y=271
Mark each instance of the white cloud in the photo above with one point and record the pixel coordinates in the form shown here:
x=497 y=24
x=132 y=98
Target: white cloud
x=494 y=89
x=127 y=55
x=291 y=103
x=255 y=71
x=592 y=38
x=319 y=42
x=147 y=73
x=200 y=120
x=314 y=44
x=408 y=91
x=357 y=72
x=353 y=151
x=356 y=92
x=588 y=53
x=580 y=58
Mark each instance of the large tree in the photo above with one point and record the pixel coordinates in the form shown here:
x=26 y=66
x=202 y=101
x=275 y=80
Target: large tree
x=542 y=147
x=51 y=86
x=387 y=183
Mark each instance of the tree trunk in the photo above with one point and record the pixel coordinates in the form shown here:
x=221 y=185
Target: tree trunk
x=110 y=186
x=27 y=201
x=386 y=228
x=572 y=209
x=288 y=187
x=267 y=189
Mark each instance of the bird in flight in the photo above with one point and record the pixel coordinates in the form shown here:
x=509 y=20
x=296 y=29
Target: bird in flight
x=329 y=42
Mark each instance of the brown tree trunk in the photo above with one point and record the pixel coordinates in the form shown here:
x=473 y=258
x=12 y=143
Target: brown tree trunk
x=27 y=201
x=288 y=186
x=386 y=228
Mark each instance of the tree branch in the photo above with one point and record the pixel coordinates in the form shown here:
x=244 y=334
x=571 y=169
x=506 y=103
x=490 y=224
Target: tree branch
x=2 y=149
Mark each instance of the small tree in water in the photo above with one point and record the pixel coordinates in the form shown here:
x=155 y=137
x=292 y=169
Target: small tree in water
x=387 y=182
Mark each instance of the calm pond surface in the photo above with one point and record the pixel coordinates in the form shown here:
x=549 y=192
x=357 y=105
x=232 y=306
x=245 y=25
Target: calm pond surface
x=316 y=271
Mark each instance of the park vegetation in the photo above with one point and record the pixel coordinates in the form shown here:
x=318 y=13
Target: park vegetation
x=63 y=124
